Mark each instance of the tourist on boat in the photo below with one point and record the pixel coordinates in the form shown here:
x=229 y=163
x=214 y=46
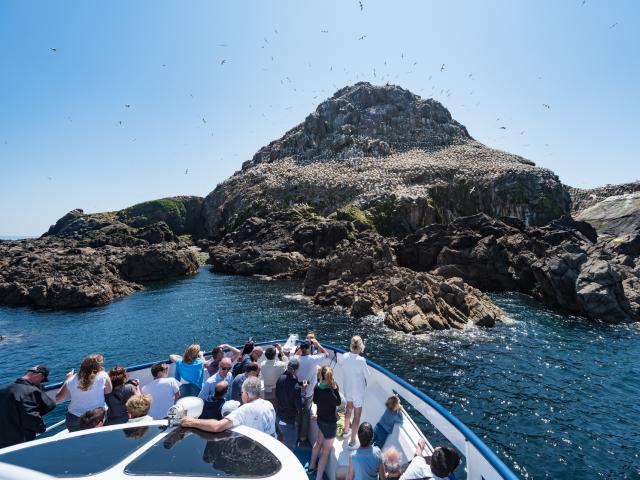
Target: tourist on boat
x=391 y=416
x=252 y=370
x=86 y=389
x=217 y=355
x=223 y=374
x=289 y=401
x=354 y=384
x=213 y=407
x=244 y=359
x=392 y=463
x=164 y=390
x=22 y=406
x=326 y=396
x=138 y=408
x=270 y=371
x=93 y=418
x=365 y=463
x=255 y=355
x=190 y=369
x=255 y=412
x=442 y=463
x=308 y=371
x=122 y=390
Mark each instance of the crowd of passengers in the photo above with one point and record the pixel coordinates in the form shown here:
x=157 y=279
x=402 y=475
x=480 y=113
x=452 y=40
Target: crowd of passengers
x=269 y=389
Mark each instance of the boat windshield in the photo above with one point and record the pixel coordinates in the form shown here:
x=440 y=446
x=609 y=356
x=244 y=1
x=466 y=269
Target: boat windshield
x=194 y=453
x=82 y=455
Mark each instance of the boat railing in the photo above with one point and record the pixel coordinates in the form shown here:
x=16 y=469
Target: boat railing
x=482 y=462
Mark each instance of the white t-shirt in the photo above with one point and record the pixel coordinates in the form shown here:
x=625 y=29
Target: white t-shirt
x=270 y=371
x=162 y=391
x=258 y=414
x=85 y=400
x=354 y=374
x=418 y=468
x=309 y=370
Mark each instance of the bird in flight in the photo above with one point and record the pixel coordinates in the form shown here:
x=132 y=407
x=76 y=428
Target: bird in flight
x=613 y=25
x=442 y=68
x=186 y=171
x=522 y=132
x=223 y=45
x=361 y=6
x=324 y=31
x=204 y=120
x=54 y=50
x=503 y=128
x=546 y=106
x=362 y=37
x=223 y=62
x=49 y=178
x=583 y=2
x=127 y=105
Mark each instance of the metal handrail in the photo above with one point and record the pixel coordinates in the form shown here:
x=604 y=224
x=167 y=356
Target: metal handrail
x=493 y=460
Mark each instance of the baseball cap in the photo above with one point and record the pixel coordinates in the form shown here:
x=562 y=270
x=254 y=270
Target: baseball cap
x=293 y=365
x=42 y=369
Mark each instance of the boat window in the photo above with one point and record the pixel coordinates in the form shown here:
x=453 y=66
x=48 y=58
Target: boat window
x=82 y=455
x=194 y=453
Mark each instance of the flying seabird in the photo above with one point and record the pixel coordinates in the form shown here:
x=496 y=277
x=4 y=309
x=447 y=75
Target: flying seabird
x=127 y=105
x=54 y=50
x=613 y=25
x=223 y=62
x=361 y=6
x=362 y=37
x=442 y=67
x=546 y=106
x=186 y=171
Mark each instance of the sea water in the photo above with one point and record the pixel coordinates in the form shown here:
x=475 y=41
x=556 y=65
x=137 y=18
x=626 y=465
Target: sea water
x=554 y=396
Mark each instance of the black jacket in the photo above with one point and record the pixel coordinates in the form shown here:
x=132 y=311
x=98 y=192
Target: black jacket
x=22 y=405
x=327 y=400
x=289 y=395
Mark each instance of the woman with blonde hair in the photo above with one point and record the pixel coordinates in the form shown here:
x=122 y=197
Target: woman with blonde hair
x=355 y=374
x=391 y=416
x=190 y=369
x=86 y=389
x=326 y=396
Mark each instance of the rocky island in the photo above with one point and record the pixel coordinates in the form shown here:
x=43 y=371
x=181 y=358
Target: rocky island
x=382 y=204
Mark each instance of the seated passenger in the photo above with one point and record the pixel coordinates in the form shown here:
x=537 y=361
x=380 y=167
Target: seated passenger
x=213 y=406
x=93 y=418
x=391 y=416
x=254 y=413
x=392 y=463
x=190 y=368
x=442 y=462
x=365 y=463
x=138 y=408
x=86 y=389
x=164 y=390
x=217 y=355
x=223 y=374
x=252 y=370
x=122 y=390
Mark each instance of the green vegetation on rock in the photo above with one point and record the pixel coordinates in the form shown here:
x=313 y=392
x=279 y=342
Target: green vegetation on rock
x=168 y=210
x=352 y=213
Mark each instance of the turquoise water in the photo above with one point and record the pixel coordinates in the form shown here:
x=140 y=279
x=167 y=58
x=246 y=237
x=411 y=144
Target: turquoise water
x=553 y=396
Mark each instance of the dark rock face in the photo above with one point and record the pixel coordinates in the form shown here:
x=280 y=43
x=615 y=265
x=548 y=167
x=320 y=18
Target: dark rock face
x=584 y=198
x=400 y=158
x=615 y=216
x=84 y=272
x=560 y=264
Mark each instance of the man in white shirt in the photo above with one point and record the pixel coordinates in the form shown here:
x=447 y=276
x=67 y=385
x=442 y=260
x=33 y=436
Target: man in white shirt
x=254 y=412
x=308 y=374
x=270 y=371
x=164 y=390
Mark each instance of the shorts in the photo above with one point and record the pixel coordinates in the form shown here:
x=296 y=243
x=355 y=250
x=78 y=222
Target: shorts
x=328 y=429
x=356 y=398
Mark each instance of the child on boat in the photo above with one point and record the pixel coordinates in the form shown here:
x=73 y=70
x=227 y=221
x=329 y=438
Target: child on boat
x=391 y=416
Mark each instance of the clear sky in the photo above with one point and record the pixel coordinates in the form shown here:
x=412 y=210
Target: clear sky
x=136 y=93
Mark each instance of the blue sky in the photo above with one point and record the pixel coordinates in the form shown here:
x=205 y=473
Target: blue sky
x=67 y=140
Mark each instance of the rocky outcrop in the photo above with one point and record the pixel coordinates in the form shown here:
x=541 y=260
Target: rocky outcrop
x=75 y=272
x=400 y=158
x=180 y=214
x=582 y=198
x=560 y=264
x=615 y=216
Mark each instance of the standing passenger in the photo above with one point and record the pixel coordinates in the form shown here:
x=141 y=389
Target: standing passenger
x=217 y=355
x=308 y=372
x=22 y=405
x=252 y=370
x=289 y=402
x=270 y=371
x=122 y=390
x=355 y=374
x=87 y=389
x=327 y=398
x=190 y=368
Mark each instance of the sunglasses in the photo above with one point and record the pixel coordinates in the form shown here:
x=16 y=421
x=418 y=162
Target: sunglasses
x=224 y=368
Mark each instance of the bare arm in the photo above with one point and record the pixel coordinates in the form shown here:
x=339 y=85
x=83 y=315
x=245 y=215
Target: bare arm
x=108 y=386
x=381 y=471
x=174 y=358
x=63 y=393
x=207 y=425
x=420 y=447
x=350 y=470
x=235 y=353
x=320 y=348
